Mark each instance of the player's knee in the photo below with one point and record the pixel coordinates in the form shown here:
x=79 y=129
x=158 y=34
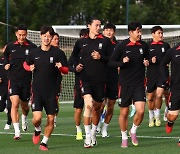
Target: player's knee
x=140 y=113
x=110 y=109
x=88 y=102
x=173 y=113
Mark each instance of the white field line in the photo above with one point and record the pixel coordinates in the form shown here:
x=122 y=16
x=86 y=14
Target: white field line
x=150 y=137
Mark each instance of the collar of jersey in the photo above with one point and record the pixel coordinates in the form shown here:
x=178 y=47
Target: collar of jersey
x=99 y=36
x=133 y=44
x=25 y=43
x=159 y=42
x=178 y=48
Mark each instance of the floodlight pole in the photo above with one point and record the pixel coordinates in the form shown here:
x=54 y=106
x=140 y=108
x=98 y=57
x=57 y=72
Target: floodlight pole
x=127 y=13
x=7 y=20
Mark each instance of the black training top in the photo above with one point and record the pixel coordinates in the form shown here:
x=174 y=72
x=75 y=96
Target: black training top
x=3 y=73
x=173 y=56
x=45 y=73
x=15 y=54
x=112 y=72
x=93 y=70
x=157 y=49
x=133 y=72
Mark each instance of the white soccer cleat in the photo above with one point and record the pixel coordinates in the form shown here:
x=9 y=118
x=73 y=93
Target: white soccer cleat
x=93 y=140
x=7 y=127
x=25 y=126
x=104 y=134
x=87 y=142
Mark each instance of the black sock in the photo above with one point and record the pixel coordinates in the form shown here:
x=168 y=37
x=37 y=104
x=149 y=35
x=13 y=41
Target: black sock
x=43 y=144
x=37 y=132
x=170 y=123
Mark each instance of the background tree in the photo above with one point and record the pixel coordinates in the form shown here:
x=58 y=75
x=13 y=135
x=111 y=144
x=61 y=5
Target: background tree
x=35 y=13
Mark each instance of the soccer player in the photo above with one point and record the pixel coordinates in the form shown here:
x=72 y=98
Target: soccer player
x=155 y=87
x=111 y=90
x=4 y=96
x=131 y=56
x=19 y=79
x=45 y=62
x=172 y=56
x=78 y=99
x=91 y=54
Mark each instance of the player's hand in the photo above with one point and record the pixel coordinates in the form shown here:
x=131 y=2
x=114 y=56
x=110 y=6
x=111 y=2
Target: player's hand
x=58 y=65
x=32 y=67
x=95 y=55
x=79 y=67
x=146 y=62
x=0 y=80
x=7 y=66
x=153 y=59
x=126 y=59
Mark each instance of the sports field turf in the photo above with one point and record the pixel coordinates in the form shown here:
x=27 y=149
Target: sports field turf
x=151 y=140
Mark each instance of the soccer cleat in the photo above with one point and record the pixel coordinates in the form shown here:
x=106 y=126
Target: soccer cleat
x=124 y=143
x=87 y=142
x=55 y=124
x=98 y=130
x=25 y=126
x=133 y=111
x=104 y=134
x=79 y=136
x=36 y=139
x=158 y=122
x=93 y=140
x=7 y=127
x=17 y=137
x=151 y=122
x=43 y=147
x=169 y=127
x=133 y=138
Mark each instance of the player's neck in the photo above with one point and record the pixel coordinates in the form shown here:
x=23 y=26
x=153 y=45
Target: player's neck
x=156 y=40
x=132 y=40
x=45 y=48
x=92 y=36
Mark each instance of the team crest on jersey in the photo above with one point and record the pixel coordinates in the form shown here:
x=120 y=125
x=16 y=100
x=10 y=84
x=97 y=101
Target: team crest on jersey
x=10 y=90
x=27 y=52
x=82 y=89
x=100 y=45
x=141 y=51
x=163 y=50
x=169 y=105
x=51 y=60
x=33 y=106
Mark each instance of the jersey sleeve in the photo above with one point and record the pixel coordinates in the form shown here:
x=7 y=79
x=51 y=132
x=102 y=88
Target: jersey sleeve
x=75 y=53
x=71 y=65
x=6 y=55
x=116 y=59
x=163 y=66
x=63 y=60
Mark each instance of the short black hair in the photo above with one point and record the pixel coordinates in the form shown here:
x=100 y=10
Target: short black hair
x=109 y=26
x=84 y=32
x=21 y=27
x=132 y=26
x=156 y=28
x=45 y=29
x=91 y=19
x=56 y=34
